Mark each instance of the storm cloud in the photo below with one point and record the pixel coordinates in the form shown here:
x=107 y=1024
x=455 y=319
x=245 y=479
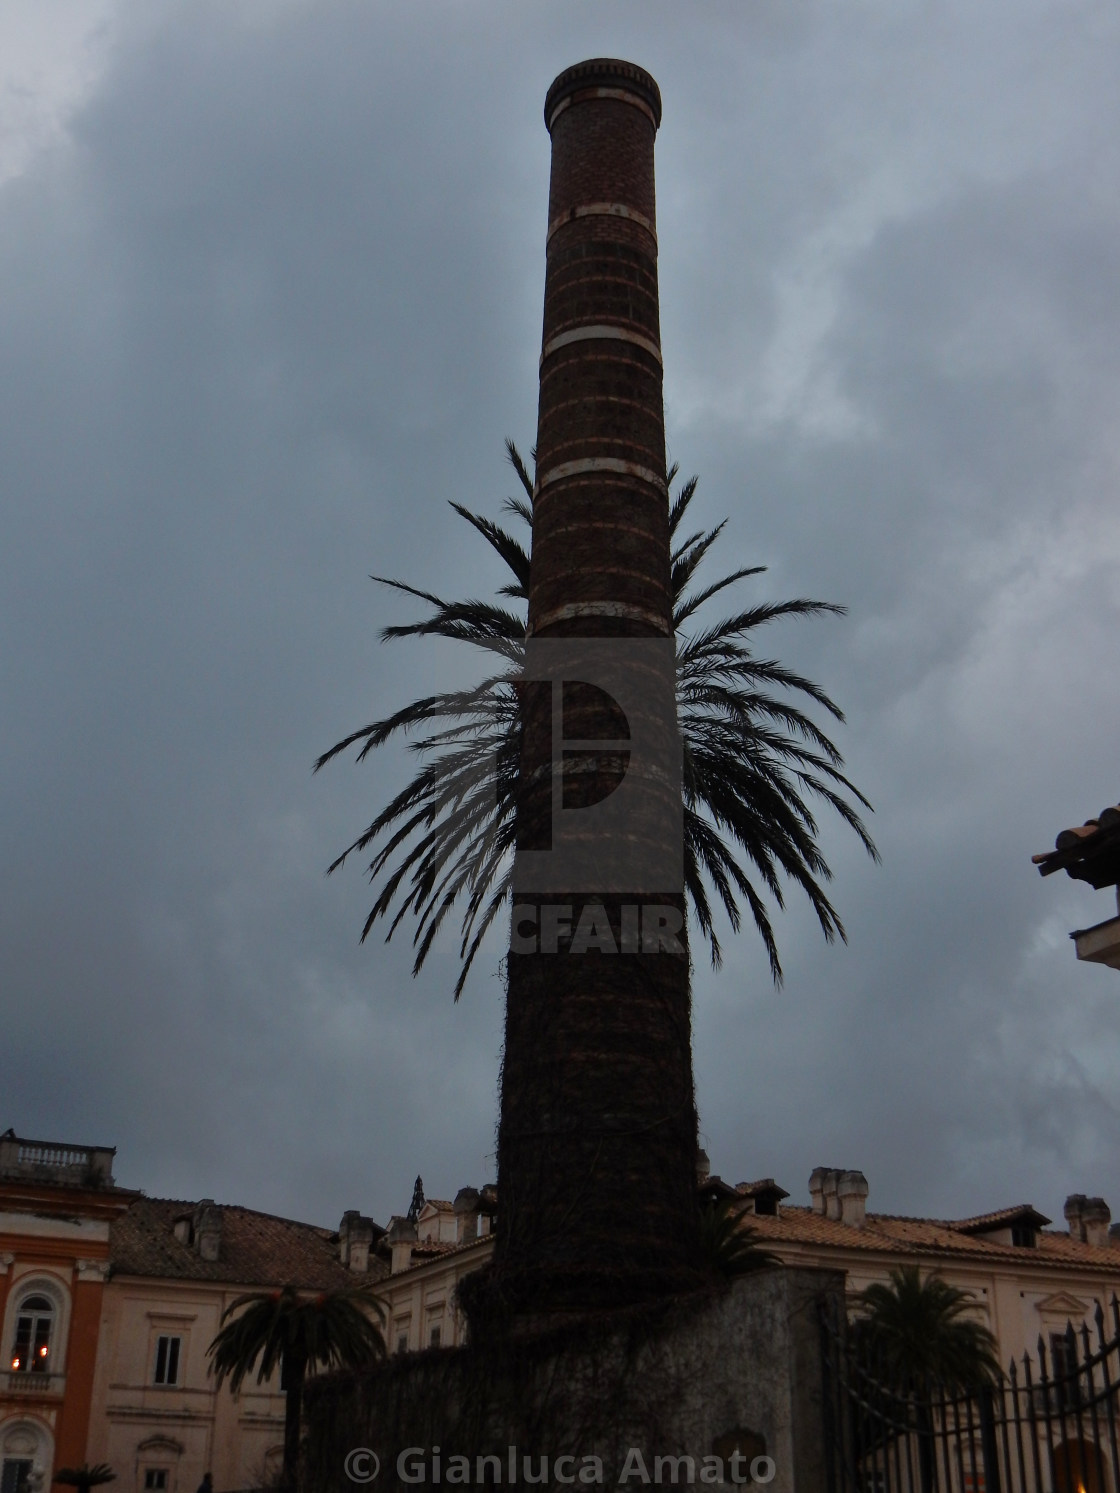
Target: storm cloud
x=270 y=290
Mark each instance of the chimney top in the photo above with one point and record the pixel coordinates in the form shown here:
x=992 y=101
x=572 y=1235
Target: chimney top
x=1088 y=1219
x=208 y=1229
x=402 y=1236
x=355 y=1239
x=840 y=1195
x=602 y=73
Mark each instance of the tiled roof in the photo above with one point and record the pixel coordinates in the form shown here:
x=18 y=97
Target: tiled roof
x=257 y=1249
x=763 y=1185
x=424 y=1254
x=714 y=1188
x=1087 y=851
x=1003 y=1218
x=884 y=1233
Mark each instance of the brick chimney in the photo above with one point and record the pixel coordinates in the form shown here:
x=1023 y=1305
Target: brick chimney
x=597 y=1144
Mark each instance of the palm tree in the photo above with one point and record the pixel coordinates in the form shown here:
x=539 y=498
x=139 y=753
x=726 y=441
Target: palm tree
x=920 y=1334
x=729 y=1246
x=85 y=1476
x=753 y=759
x=298 y=1332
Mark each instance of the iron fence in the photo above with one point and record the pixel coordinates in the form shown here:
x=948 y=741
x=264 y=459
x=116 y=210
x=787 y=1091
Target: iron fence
x=1049 y=1425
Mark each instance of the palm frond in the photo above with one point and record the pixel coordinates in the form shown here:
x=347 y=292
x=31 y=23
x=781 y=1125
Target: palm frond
x=729 y=1246
x=85 y=1476
x=755 y=761
x=924 y=1331
x=263 y=1330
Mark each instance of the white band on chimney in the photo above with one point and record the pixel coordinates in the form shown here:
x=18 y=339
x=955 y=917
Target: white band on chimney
x=599 y=333
x=579 y=94
x=602 y=210
x=588 y=464
x=614 y=609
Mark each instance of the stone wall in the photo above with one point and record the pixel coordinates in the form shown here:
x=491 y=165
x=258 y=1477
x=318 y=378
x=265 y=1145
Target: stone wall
x=705 y=1377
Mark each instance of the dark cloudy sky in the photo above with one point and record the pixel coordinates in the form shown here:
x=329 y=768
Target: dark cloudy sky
x=270 y=291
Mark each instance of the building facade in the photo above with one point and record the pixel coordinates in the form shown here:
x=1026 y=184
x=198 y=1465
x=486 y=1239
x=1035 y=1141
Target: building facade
x=109 y=1302
x=58 y=1205
x=157 y=1418
x=1027 y=1280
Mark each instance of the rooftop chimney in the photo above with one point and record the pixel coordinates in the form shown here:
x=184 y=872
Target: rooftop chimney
x=208 y=1229
x=466 y=1206
x=839 y=1195
x=851 y=1193
x=816 y=1188
x=1088 y=1219
x=355 y=1237
x=402 y=1236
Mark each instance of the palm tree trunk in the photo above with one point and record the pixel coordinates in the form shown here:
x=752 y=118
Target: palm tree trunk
x=292 y=1375
x=598 y=1133
x=927 y=1447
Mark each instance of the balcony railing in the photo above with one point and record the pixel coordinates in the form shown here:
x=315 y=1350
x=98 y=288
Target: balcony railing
x=17 y=1382
x=53 y=1161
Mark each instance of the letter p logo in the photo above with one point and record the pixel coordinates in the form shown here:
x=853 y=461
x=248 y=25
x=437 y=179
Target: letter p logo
x=600 y=804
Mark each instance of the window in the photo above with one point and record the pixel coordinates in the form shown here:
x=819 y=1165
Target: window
x=167 y=1364
x=1023 y=1235
x=1063 y=1355
x=14 y=1478
x=402 y=1342
x=155 y=1480
x=434 y=1336
x=31 y=1351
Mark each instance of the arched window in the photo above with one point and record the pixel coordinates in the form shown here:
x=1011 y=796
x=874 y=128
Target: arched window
x=31 y=1346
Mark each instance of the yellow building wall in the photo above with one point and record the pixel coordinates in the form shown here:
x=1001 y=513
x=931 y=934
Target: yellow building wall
x=189 y=1428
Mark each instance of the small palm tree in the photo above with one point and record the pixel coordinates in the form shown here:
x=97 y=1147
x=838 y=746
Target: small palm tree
x=753 y=760
x=922 y=1332
x=85 y=1476
x=298 y=1332
x=729 y=1246
x=919 y=1332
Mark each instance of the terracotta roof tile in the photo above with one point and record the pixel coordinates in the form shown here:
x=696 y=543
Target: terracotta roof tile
x=764 y=1184
x=921 y=1236
x=424 y=1254
x=257 y=1249
x=1002 y=1218
x=1087 y=851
